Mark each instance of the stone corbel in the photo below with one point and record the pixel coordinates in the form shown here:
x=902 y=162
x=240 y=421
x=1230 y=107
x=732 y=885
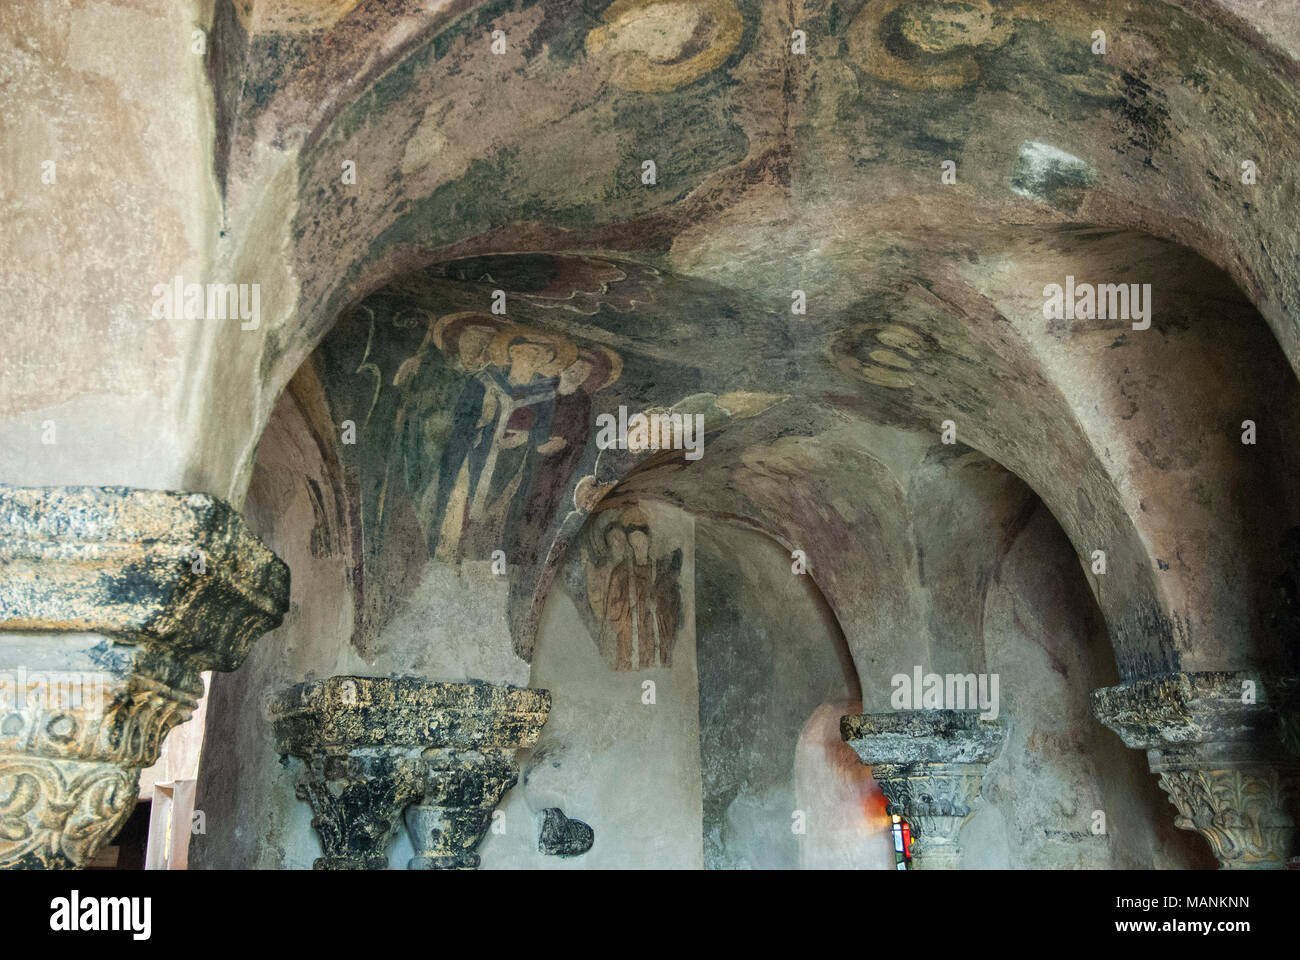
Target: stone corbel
x=113 y=601
x=378 y=749
x=1223 y=746
x=930 y=765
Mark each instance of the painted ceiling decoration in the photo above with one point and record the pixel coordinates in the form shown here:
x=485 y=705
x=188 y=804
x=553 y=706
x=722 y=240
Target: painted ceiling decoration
x=657 y=45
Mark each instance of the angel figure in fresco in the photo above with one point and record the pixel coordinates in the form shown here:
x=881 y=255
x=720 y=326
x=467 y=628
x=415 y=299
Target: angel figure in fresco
x=463 y=340
x=413 y=380
x=637 y=612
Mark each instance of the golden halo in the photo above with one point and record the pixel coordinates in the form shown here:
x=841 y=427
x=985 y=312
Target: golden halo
x=461 y=320
x=498 y=351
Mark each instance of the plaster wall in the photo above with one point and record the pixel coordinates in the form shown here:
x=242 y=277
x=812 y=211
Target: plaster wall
x=781 y=789
x=1045 y=639
x=450 y=627
x=628 y=768
x=107 y=186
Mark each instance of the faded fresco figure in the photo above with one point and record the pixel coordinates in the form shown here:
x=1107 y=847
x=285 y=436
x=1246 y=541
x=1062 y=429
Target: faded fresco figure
x=667 y=598
x=637 y=602
x=521 y=382
x=593 y=370
x=500 y=431
x=519 y=429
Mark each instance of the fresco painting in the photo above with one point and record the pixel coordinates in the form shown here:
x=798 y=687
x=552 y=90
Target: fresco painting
x=633 y=589
x=475 y=437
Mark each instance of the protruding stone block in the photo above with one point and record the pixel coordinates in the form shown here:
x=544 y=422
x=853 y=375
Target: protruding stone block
x=1223 y=745
x=113 y=601
x=930 y=765
x=561 y=836
x=447 y=752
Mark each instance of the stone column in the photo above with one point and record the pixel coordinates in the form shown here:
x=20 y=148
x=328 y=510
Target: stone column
x=375 y=748
x=1224 y=747
x=113 y=601
x=930 y=765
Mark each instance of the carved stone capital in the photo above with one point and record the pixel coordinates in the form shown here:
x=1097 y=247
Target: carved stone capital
x=462 y=788
x=58 y=813
x=1223 y=746
x=178 y=573
x=357 y=801
x=930 y=765
x=112 y=603
x=449 y=755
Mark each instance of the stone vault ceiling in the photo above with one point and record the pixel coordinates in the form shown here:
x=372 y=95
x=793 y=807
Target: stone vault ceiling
x=820 y=171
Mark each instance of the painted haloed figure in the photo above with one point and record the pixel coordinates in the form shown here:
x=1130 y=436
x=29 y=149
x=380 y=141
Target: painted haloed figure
x=594 y=370
x=501 y=429
x=514 y=432
x=638 y=611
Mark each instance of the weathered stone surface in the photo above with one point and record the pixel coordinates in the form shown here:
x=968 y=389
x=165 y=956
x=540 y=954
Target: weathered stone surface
x=462 y=789
x=930 y=765
x=58 y=813
x=375 y=747
x=1189 y=708
x=140 y=566
x=353 y=712
x=936 y=799
x=1223 y=746
x=357 y=800
x=561 y=836
x=112 y=603
x=923 y=736
x=1246 y=811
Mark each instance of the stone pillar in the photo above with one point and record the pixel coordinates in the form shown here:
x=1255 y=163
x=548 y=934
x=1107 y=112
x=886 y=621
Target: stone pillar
x=113 y=601
x=930 y=765
x=374 y=748
x=1224 y=747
